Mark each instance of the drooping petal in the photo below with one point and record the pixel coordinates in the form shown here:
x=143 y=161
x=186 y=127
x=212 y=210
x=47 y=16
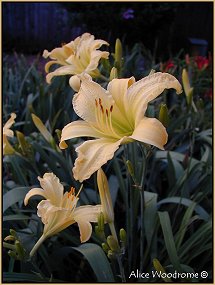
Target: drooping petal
x=77 y=129
x=8 y=124
x=33 y=192
x=63 y=70
x=147 y=89
x=150 y=131
x=94 y=60
x=52 y=187
x=92 y=155
x=84 y=102
x=83 y=215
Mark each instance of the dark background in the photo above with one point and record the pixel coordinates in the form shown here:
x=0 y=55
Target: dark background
x=31 y=27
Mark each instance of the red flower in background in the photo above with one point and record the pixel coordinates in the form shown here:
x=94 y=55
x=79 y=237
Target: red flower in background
x=201 y=62
x=167 y=66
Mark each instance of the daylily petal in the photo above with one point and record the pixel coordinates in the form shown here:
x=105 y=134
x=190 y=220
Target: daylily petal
x=84 y=102
x=33 y=192
x=77 y=129
x=92 y=155
x=8 y=124
x=147 y=89
x=63 y=70
x=45 y=209
x=52 y=187
x=150 y=131
x=83 y=215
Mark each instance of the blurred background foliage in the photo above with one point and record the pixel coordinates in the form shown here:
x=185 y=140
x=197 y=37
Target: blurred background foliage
x=178 y=181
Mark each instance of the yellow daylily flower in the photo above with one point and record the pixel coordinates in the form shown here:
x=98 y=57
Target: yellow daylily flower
x=7 y=132
x=80 y=55
x=113 y=117
x=60 y=210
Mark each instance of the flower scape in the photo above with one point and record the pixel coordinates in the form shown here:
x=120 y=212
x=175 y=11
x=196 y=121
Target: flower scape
x=107 y=174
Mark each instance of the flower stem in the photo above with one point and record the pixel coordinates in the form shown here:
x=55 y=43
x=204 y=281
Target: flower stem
x=37 y=245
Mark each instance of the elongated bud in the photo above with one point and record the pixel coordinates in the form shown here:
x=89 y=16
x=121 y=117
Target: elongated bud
x=130 y=168
x=118 y=52
x=113 y=244
x=101 y=222
x=113 y=73
x=19 y=249
x=123 y=236
x=159 y=268
x=105 y=247
x=42 y=128
x=58 y=133
x=163 y=115
x=106 y=201
x=187 y=88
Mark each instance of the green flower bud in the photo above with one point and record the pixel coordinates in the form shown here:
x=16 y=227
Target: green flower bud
x=113 y=244
x=12 y=254
x=105 y=247
x=113 y=73
x=123 y=235
x=101 y=222
x=163 y=115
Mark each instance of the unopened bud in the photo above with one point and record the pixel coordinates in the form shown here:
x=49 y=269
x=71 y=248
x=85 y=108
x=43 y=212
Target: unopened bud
x=13 y=233
x=113 y=73
x=42 y=128
x=113 y=244
x=12 y=254
x=187 y=88
x=19 y=249
x=105 y=247
x=118 y=53
x=101 y=222
x=163 y=115
x=123 y=235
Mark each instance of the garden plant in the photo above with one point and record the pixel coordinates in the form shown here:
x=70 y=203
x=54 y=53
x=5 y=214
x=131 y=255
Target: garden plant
x=107 y=166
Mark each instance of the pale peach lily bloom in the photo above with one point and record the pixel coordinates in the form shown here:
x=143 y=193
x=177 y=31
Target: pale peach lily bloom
x=113 y=117
x=7 y=132
x=60 y=210
x=80 y=55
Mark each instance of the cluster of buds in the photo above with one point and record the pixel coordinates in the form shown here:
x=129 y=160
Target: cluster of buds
x=13 y=243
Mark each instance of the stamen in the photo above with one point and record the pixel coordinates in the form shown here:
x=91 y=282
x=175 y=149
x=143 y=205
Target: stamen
x=102 y=109
x=96 y=103
x=106 y=112
x=111 y=108
x=79 y=190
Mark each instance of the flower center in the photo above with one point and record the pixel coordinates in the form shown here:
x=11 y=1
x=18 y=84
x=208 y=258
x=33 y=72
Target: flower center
x=104 y=120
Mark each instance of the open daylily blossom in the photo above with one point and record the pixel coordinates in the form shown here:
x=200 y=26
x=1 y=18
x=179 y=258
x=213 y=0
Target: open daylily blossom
x=60 y=210
x=7 y=132
x=80 y=55
x=113 y=117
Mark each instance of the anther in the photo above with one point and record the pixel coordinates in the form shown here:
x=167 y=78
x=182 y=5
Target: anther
x=106 y=112
x=100 y=101
x=111 y=108
x=102 y=109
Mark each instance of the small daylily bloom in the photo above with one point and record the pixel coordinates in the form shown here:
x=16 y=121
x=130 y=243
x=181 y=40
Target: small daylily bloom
x=115 y=117
x=60 y=210
x=80 y=55
x=7 y=132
